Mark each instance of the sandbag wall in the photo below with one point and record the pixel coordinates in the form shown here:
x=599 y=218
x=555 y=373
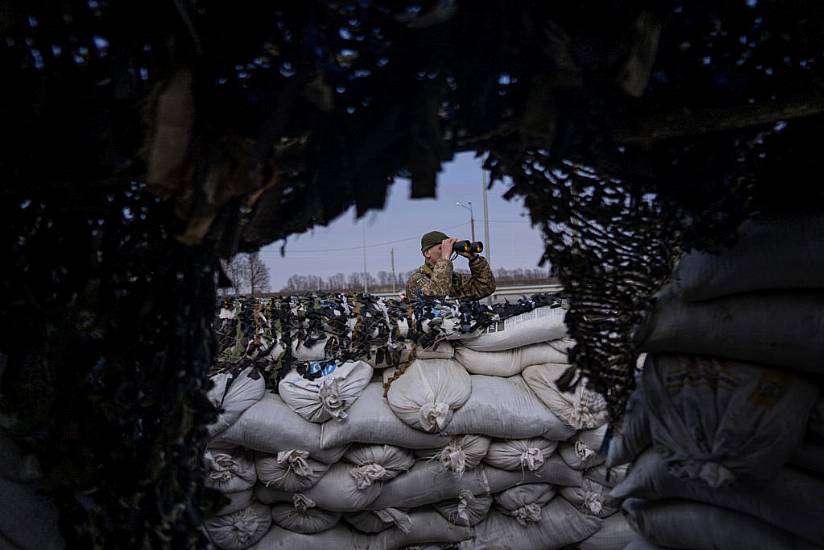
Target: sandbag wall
x=467 y=443
x=725 y=428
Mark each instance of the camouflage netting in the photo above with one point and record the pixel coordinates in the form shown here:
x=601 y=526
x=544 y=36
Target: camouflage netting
x=142 y=140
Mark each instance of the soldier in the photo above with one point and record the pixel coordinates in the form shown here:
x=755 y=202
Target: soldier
x=436 y=278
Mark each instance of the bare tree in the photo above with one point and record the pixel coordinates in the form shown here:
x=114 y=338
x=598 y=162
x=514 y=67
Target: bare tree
x=257 y=274
x=236 y=270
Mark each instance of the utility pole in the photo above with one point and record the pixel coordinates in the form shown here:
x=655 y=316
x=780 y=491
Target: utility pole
x=471 y=216
x=392 y=256
x=487 y=242
x=365 y=275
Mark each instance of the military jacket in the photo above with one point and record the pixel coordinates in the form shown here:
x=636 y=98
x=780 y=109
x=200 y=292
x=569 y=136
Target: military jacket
x=441 y=280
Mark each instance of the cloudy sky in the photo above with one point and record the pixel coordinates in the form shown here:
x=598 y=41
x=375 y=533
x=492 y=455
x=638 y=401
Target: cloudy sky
x=338 y=248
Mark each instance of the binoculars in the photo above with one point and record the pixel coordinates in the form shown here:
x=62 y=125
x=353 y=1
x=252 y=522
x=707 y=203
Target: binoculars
x=467 y=246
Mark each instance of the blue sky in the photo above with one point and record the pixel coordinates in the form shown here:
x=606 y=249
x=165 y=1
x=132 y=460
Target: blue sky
x=337 y=248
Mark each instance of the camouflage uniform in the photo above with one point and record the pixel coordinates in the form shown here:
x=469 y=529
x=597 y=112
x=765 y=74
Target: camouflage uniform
x=441 y=281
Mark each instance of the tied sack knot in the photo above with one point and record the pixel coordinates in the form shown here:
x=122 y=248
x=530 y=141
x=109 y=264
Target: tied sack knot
x=583 y=451
x=296 y=461
x=593 y=502
x=465 y=500
x=434 y=416
x=532 y=458
x=330 y=399
x=302 y=503
x=245 y=527
x=453 y=458
x=531 y=513
x=392 y=515
x=367 y=474
x=222 y=467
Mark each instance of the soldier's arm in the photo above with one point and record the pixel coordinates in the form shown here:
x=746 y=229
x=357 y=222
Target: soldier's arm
x=438 y=285
x=481 y=282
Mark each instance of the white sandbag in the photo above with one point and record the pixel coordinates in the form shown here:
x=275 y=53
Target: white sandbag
x=302 y=516
x=427 y=394
x=425 y=526
x=773 y=328
x=271 y=426
x=554 y=471
x=241 y=529
x=233 y=395
x=591 y=498
x=336 y=538
x=721 y=421
x=520 y=454
x=582 y=451
x=440 y=350
x=560 y=525
x=375 y=463
x=237 y=501
x=326 y=397
x=790 y=500
x=427 y=483
x=375 y=521
x=229 y=472
x=460 y=454
x=338 y=490
x=512 y=362
x=608 y=476
x=615 y=534
x=581 y=408
x=371 y=420
x=631 y=435
x=29 y=518
x=684 y=524
x=506 y=408
x=769 y=254
x=540 y=325
x=525 y=502
x=316 y=352
x=466 y=510
x=292 y=470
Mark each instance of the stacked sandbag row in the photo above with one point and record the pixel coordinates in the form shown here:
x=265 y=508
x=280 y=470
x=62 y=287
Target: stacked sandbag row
x=471 y=443
x=725 y=427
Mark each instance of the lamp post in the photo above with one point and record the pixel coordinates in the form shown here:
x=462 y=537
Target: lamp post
x=471 y=216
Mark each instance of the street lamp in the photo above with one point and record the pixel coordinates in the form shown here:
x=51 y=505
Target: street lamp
x=471 y=216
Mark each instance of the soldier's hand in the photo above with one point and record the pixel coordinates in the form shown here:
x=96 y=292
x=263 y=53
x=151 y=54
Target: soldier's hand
x=446 y=247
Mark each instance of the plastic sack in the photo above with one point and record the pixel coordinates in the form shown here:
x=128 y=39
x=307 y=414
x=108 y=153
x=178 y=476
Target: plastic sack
x=467 y=510
x=302 y=516
x=291 y=470
x=461 y=453
x=591 y=498
x=520 y=454
x=525 y=502
x=375 y=521
x=241 y=529
x=229 y=472
x=237 y=501
x=234 y=394
x=540 y=325
x=615 y=534
x=512 y=362
x=582 y=451
x=373 y=463
x=429 y=392
x=582 y=408
x=326 y=397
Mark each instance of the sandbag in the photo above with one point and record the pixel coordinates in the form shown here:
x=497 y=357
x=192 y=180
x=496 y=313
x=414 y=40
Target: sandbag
x=769 y=255
x=241 y=529
x=375 y=521
x=615 y=534
x=512 y=362
x=427 y=394
x=440 y=350
x=772 y=328
x=554 y=471
x=237 y=501
x=292 y=470
x=721 y=421
x=520 y=454
x=466 y=510
x=582 y=451
x=525 y=502
x=632 y=434
x=684 y=524
x=315 y=352
x=336 y=538
x=371 y=420
x=428 y=482
x=326 y=397
x=608 y=476
x=506 y=408
x=337 y=491
x=302 y=516
x=582 y=408
x=540 y=325
x=460 y=454
x=401 y=353
x=560 y=525
x=790 y=500
x=229 y=472
x=640 y=543
x=591 y=498
x=233 y=395
x=374 y=463
x=30 y=517
x=426 y=526
x=271 y=426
